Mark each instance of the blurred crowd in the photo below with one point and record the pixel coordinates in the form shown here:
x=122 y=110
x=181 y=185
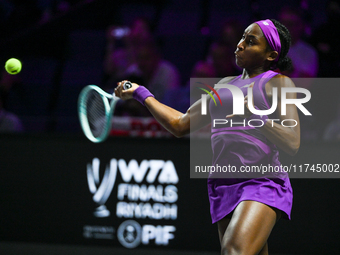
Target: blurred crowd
x=134 y=52
x=16 y=15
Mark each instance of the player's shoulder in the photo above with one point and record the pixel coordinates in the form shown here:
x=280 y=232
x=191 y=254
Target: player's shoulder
x=281 y=80
x=226 y=80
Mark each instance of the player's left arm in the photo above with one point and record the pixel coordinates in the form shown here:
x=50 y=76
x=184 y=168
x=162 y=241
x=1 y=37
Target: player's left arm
x=286 y=138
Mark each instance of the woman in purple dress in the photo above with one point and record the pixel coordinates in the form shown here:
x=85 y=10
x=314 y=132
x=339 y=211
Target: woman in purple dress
x=245 y=209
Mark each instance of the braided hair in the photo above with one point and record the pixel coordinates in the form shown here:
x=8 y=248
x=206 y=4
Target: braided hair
x=284 y=63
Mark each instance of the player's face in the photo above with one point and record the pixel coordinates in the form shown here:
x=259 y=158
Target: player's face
x=252 y=49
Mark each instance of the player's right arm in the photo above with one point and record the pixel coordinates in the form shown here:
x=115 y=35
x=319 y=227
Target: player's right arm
x=177 y=123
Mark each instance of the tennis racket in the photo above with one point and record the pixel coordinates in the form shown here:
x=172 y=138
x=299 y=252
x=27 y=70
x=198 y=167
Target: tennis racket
x=95 y=109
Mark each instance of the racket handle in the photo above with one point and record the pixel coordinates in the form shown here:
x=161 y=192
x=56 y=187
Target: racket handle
x=127 y=85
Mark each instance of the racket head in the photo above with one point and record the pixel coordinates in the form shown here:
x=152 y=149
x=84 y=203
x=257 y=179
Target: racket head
x=95 y=112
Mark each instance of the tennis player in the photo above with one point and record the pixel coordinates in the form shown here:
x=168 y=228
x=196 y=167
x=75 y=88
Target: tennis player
x=245 y=210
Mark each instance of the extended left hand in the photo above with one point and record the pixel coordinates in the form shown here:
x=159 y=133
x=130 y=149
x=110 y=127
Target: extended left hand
x=125 y=94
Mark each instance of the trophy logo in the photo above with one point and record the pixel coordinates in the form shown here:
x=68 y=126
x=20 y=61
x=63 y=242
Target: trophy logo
x=101 y=191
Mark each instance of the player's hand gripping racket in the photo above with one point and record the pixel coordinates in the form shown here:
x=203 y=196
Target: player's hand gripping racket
x=95 y=109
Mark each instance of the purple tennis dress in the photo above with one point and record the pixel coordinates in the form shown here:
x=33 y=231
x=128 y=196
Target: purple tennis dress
x=242 y=146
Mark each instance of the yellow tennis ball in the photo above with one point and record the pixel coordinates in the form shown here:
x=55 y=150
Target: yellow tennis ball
x=13 y=66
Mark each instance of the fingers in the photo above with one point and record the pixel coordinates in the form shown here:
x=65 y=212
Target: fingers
x=121 y=83
x=118 y=89
x=125 y=93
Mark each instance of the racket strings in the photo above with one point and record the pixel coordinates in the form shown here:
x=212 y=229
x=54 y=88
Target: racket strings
x=96 y=113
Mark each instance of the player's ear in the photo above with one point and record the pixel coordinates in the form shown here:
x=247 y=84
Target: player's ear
x=272 y=55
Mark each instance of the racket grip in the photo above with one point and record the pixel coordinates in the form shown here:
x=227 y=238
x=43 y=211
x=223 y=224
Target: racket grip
x=127 y=85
